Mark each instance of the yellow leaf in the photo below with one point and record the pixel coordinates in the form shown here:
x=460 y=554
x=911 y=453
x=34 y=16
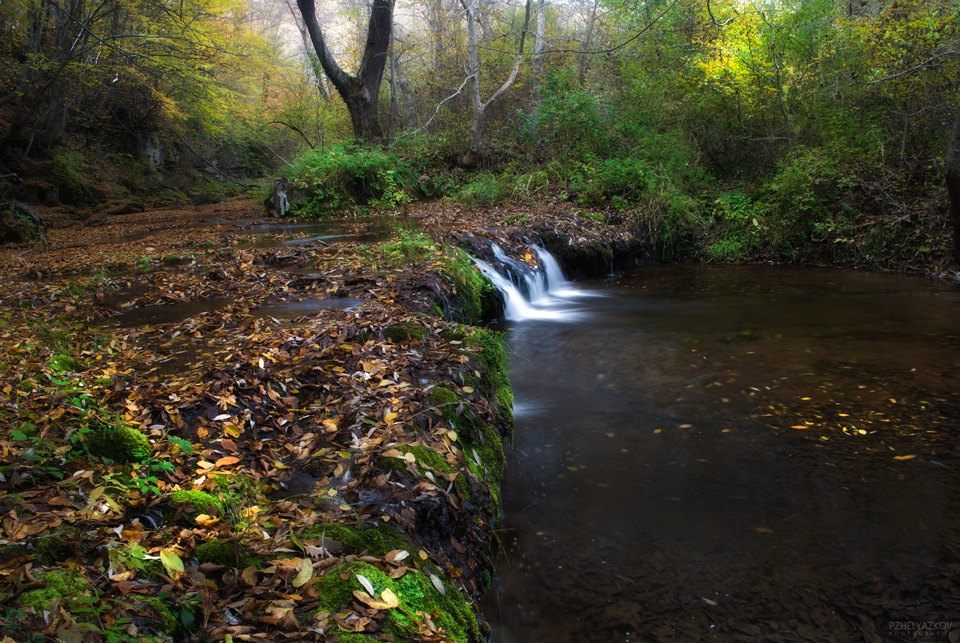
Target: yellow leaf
x=799 y=427
x=468 y=389
x=232 y=430
x=171 y=561
x=389 y=418
x=205 y=520
x=304 y=573
x=330 y=425
x=904 y=457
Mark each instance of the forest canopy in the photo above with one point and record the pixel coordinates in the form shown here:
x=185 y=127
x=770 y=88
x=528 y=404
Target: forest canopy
x=813 y=130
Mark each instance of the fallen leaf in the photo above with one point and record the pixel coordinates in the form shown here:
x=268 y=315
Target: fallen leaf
x=367 y=585
x=227 y=461
x=438 y=584
x=905 y=457
x=304 y=573
x=764 y=530
x=171 y=562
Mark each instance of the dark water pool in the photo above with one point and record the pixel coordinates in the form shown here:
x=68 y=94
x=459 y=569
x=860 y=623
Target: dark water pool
x=736 y=454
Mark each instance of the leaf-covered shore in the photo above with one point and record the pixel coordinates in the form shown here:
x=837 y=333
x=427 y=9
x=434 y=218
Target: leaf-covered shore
x=210 y=434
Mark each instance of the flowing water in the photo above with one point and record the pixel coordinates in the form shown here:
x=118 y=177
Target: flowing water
x=732 y=454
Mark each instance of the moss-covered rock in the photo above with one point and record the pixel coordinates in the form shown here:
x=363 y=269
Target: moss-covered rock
x=223 y=552
x=117 y=442
x=376 y=541
x=476 y=298
x=201 y=502
x=158 y=611
x=60 y=584
x=427 y=460
x=53 y=549
x=445 y=400
x=495 y=374
x=417 y=595
x=404 y=331
x=62 y=363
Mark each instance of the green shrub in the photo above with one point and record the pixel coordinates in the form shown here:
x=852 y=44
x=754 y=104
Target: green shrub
x=348 y=176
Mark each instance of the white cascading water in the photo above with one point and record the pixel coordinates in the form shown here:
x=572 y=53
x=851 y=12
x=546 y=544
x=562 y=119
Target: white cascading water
x=544 y=288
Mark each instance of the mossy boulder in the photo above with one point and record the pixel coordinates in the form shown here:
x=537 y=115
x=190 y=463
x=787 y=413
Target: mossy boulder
x=117 y=442
x=417 y=595
x=60 y=584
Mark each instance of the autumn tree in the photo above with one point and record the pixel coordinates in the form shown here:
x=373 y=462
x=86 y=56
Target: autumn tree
x=361 y=92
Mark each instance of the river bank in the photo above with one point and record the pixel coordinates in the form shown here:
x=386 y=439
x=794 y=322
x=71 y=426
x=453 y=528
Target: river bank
x=219 y=426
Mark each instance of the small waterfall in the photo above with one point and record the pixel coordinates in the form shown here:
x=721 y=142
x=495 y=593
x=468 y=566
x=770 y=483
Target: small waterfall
x=528 y=292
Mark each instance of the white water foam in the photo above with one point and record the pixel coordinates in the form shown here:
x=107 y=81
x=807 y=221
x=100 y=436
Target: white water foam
x=547 y=288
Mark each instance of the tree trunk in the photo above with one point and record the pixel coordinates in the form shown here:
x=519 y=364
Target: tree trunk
x=953 y=187
x=538 y=47
x=587 y=42
x=474 y=155
x=361 y=93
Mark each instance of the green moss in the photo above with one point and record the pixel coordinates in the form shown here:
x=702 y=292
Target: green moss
x=445 y=400
x=62 y=363
x=457 y=334
x=405 y=331
x=223 y=552
x=60 y=584
x=495 y=374
x=427 y=459
x=474 y=292
x=118 y=443
x=377 y=540
x=168 y=622
x=201 y=501
x=416 y=593
x=53 y=549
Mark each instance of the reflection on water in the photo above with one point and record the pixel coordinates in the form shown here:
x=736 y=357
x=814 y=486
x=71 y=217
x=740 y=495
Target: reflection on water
x=735 y=453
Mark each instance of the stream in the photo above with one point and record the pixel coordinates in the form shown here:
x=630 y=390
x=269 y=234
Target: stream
x=731 y=453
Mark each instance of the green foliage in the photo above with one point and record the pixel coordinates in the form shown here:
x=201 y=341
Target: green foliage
x=349 y=176
x=409 y=247
x=16 y=228
x=71 y=173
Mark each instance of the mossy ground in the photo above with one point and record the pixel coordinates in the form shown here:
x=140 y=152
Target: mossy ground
x=201 y=502
x=417 y=595
x=61 y=585
x=427 y=460
x=377 y=540
x=224 y=552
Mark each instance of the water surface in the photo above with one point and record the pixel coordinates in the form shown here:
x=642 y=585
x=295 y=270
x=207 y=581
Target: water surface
x=734 y=453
